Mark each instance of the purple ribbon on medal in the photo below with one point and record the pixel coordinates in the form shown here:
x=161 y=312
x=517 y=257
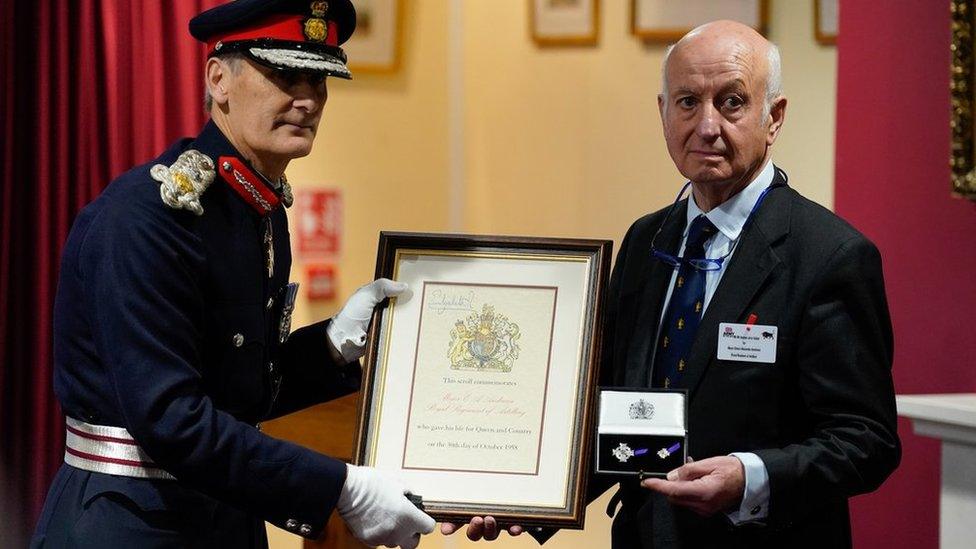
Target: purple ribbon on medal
x=665 y=453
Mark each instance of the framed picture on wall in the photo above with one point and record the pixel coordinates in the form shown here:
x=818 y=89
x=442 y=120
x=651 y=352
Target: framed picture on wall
x=480 y=380
x=962 y=85
x=375 y=46
x=825 y=21
x=564 y=22
x=667 y=21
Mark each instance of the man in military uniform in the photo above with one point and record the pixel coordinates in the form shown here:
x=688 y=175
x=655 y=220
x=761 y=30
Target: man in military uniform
x=172 y=321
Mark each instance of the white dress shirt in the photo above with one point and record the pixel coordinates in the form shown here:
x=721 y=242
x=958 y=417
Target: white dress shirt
x=729 y=218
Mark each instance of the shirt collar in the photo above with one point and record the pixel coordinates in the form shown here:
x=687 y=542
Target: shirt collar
x=730 y=216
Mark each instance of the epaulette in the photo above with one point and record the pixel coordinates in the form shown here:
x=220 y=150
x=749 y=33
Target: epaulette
x=182 y=183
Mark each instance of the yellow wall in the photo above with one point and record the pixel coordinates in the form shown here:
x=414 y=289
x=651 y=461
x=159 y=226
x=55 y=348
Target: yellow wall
x=568 y=141
x=383 y=143
x=805 y=148
x=552 y=141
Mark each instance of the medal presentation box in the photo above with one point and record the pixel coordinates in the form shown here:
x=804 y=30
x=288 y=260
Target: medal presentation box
x=479 y=383
x=641 y=432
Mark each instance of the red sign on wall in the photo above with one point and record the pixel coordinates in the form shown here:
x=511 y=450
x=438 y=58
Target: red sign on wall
x=321 y=282
x=318 y=223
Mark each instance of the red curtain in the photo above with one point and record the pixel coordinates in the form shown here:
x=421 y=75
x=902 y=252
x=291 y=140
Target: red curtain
x=90 y=88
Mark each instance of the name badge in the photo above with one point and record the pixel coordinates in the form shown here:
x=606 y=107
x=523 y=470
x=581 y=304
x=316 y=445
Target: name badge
x=747 y=342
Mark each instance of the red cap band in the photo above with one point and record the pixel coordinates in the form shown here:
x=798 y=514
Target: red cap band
x=282 y=26
x=332 y=38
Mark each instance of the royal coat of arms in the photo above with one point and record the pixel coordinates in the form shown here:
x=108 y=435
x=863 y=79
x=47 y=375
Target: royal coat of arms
x=485 y=341
x=641 y=409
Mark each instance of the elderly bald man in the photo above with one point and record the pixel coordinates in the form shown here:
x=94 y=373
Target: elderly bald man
x=780 y=443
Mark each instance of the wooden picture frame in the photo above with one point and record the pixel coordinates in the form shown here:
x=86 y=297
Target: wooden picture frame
x=564 y=22
x=666 y=21
x=479 y=382
x=826 y=17
x=961 y=86
x=375 y=46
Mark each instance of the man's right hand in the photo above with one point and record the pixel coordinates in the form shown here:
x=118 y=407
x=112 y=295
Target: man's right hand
x=377 y=511
x=480 y=528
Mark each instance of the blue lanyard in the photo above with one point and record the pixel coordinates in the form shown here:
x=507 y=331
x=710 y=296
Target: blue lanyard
x=706 y=264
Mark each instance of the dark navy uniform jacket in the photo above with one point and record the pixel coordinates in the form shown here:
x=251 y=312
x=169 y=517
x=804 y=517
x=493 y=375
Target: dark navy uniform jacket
x=167 y=324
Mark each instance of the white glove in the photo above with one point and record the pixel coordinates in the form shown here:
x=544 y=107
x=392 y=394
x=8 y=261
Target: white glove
x=348 y=328
x=378 y=512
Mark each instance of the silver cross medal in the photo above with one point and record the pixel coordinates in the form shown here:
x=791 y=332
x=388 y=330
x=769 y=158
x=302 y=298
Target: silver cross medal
x=623 y=452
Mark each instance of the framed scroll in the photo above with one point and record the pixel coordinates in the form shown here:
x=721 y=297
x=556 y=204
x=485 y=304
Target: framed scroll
x=825 y=21
x=667 y=21
x=375 y=46
x=479 y=381
x=564 y=22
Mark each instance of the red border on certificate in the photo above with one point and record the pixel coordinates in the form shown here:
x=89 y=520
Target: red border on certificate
x=545 y=394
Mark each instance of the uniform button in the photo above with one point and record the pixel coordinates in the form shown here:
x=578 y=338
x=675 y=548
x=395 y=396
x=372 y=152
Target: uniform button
x=305 y=530
x=270 y=303
x=291 y=524
x=271 y=367
x=226 y=165
x=238 y=340
x=755 y=510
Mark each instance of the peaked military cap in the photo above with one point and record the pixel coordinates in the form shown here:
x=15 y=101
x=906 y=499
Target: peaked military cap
x=296 y=35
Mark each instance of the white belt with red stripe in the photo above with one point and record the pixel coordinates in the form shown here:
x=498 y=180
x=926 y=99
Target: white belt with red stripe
x=110 y=450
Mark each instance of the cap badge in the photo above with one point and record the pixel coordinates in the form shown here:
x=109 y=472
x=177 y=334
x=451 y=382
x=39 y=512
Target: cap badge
x=316 y=30
x=182 y=183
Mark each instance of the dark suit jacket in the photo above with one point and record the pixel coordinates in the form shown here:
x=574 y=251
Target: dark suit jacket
x=822 y=418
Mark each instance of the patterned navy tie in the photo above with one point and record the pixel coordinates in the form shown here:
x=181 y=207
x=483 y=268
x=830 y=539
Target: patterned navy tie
x=684 y=310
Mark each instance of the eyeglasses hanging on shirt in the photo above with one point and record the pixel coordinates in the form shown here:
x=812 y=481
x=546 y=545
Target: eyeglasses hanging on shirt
x=707 y=264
